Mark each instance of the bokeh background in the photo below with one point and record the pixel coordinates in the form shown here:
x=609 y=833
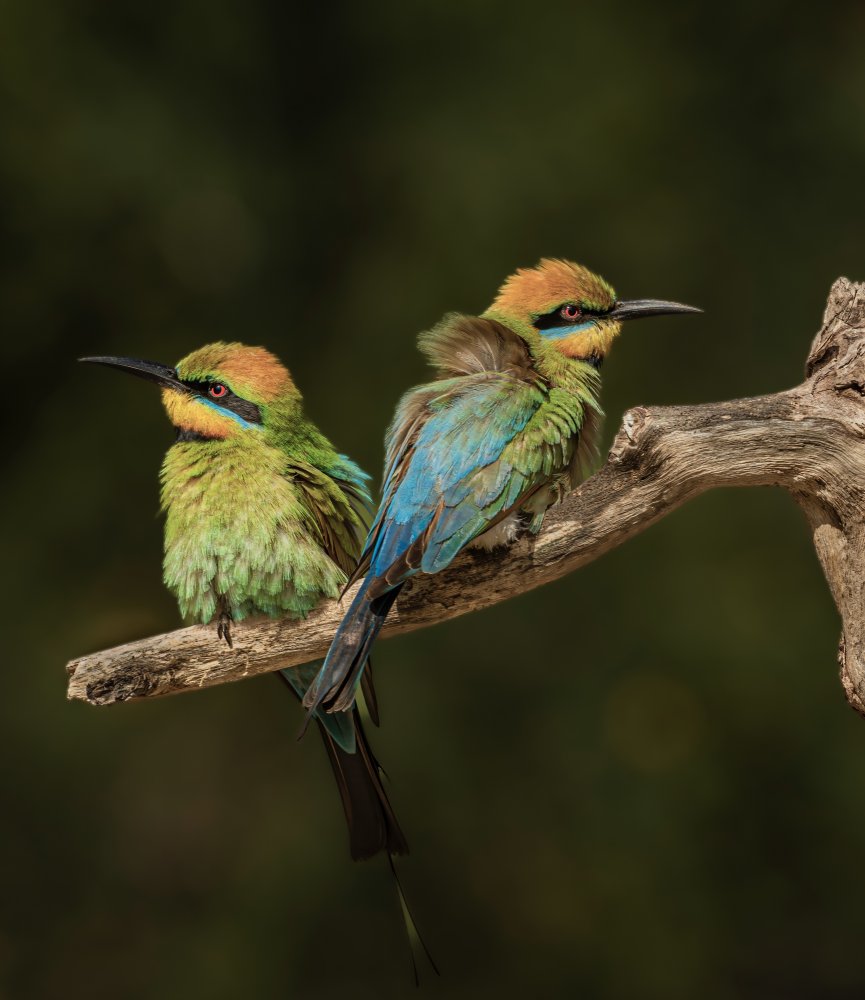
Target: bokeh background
x=640 y=782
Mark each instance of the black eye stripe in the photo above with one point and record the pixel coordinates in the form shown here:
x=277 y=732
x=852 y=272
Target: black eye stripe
x=555 y=318
x=242 y=407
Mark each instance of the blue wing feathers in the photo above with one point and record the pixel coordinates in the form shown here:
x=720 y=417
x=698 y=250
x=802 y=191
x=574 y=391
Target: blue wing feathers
x=442 y=490
x=464 y=434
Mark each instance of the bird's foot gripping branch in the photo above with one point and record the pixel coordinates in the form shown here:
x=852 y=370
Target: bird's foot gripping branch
x=809 y=440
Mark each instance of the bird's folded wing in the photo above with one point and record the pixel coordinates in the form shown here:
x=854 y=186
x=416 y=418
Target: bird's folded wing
x=338 y=509
x=475 y=448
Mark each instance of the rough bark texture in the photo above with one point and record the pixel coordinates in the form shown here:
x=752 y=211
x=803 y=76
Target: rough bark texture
x=809 y=440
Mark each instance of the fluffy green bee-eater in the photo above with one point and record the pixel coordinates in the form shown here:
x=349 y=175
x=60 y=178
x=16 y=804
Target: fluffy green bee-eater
x=263 y=516
x=503 y=432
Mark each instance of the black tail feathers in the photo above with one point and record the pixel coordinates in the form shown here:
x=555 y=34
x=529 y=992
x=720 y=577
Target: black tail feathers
x=372 y=823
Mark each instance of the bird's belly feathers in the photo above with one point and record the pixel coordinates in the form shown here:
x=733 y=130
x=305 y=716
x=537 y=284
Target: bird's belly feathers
x=238 y=534
x=502 y=534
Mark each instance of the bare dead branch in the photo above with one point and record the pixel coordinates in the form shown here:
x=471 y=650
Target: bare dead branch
x=809 y=440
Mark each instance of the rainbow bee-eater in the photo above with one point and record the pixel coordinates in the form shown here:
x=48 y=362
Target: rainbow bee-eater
x=504 y=431
x=263 y=516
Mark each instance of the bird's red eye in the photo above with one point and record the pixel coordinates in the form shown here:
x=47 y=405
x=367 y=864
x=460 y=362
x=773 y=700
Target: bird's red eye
x=570 y=312
x=218 y=390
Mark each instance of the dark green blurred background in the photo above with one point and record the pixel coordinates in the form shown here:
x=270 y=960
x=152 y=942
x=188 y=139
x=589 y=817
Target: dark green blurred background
x=640 y=782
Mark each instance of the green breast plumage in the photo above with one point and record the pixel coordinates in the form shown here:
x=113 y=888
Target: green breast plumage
x=238 y=530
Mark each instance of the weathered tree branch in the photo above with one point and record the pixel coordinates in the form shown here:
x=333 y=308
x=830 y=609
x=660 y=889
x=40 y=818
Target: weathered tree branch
x=809 y=440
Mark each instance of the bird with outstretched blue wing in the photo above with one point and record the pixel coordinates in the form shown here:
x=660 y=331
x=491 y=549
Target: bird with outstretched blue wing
x=504 y=431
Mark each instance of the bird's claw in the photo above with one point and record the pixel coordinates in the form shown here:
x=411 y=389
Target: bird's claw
x=223 y=628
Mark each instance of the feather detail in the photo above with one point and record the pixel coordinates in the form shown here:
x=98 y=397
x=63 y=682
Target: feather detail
x=466 y=345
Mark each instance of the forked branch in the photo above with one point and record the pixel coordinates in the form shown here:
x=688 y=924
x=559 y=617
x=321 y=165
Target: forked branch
x=809 y=440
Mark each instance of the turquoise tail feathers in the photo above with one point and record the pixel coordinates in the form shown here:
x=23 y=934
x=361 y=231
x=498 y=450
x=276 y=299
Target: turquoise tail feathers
x=339 y=726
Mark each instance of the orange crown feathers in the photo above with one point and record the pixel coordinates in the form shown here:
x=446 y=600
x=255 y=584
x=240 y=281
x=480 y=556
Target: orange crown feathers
x=536 y=290
x=252 y=372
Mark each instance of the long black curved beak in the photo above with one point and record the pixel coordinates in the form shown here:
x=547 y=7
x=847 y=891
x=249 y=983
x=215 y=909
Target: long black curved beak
x=640 y=308
x=149 y=370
